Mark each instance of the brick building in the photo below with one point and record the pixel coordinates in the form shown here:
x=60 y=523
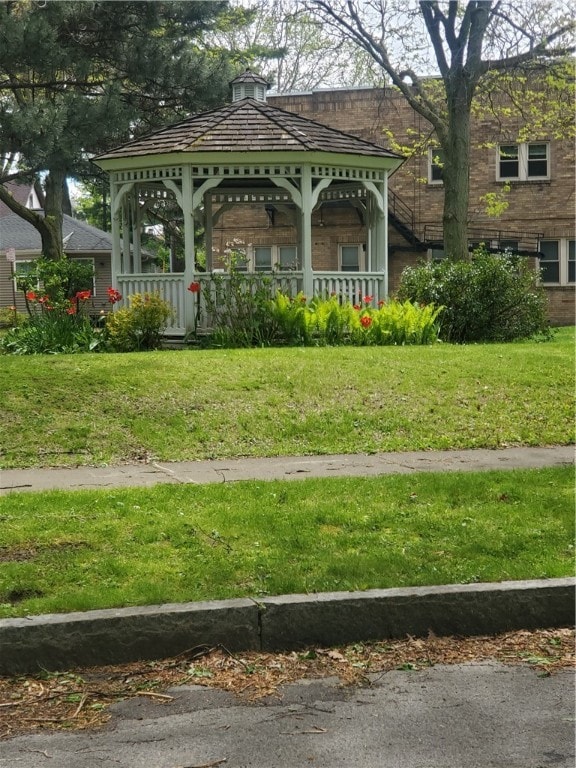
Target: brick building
x=539 y=216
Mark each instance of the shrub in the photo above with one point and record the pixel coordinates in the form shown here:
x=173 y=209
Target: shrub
x=139 y=326
x=61 y=280
x=52 y=333
x=238 y=308
x=490 y=298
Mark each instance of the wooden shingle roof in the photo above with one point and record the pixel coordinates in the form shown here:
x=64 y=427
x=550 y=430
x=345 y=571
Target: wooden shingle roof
x=247 y=125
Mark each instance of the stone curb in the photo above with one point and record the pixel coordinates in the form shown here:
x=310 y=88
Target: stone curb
x=62 y=641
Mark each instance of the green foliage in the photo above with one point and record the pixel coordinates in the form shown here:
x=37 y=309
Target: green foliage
x=139 y=326
x=56 y=296
x=245 y=315
x=60 y=280
x=490 y=298
x=238 y=308
x=53 y=332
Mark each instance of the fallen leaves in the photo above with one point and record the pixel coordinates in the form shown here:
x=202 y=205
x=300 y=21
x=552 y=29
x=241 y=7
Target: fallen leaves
x=80 y=699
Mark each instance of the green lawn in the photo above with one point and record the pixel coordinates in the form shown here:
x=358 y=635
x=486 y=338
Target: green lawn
x=64 y=551
x=176 y=405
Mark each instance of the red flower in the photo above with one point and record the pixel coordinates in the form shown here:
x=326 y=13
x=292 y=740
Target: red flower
x=83 y=295
x=367 y=299
x=43 y=300
x=71 y=310
x=31 y=296
x=366 y=321
x=381 y=303
x=194 y=287
x=113 y=295
x=357 y=306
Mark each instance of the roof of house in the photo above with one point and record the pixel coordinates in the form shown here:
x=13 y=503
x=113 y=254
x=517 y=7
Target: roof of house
x=21 y=193
x=78 y=236
x=247 y=125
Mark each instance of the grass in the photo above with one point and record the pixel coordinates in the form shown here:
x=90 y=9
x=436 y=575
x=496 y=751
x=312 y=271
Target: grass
x=178 y=405
x=64 y=551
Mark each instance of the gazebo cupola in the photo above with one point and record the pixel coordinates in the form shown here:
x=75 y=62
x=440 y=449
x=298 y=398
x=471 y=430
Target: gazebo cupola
x=249 y=85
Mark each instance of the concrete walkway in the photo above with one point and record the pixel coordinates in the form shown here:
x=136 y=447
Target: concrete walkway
x=282 y=468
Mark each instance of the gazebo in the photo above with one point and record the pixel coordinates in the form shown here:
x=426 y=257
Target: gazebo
x=246 y=152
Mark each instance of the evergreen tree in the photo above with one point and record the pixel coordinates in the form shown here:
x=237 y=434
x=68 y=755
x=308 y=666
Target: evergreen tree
x=79 y=77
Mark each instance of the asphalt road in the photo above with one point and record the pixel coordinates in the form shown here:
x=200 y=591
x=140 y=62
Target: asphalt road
x=464 y=716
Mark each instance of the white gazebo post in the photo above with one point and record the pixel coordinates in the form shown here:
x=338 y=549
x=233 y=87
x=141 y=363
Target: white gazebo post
x=116 y=244
x=189 y=261
x=306 y=230
x=378 y=226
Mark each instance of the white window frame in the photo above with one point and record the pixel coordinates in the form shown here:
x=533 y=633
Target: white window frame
x=432 y=153
x=17 y=264
x=558 y=260
x=563 y=260
x=361 y=248
x=275 y=252
x=523 y=161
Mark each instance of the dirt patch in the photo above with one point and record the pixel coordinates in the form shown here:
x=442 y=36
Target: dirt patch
x=80 y=699
x=32 y=551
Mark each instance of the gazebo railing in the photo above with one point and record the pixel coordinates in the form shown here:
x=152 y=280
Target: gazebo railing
x=350 y=286
x=215 y=288
x=169 y=285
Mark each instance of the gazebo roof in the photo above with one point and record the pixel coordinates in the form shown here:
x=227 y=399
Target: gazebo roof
x=247 y=125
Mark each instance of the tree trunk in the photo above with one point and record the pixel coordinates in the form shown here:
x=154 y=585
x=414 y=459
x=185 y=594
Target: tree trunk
x=49 y=227
x=56 y=195
x=456 y=174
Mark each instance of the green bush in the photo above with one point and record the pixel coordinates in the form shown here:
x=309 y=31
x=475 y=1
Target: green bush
x=61 y=280
x=490 y=298
x=52 y=333
x=139 y=326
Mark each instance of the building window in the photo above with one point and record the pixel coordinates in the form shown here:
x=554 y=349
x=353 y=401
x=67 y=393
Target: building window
x=435 y=165
x=287 y=257
x=22 y=268
x=266 y=258
x=550 y=261
x=262 y=258
x=523 y=162
x=571 y=262
x=351 y=258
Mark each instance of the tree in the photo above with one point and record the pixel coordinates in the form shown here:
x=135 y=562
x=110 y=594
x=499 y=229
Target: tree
x=78 y=77
x=471 y=44
x=293 y=50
